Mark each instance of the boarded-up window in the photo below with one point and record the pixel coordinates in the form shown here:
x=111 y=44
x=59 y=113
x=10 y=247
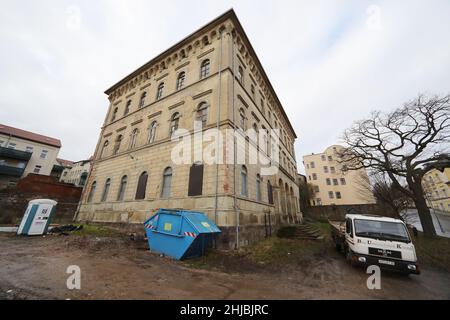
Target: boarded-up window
x=196 y=180
x=142 y=186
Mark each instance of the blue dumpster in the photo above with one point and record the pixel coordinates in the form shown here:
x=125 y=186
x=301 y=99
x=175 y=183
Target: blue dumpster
x=180 y=234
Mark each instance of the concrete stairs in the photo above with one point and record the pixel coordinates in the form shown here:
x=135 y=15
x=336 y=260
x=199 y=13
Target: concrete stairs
x=304 y=231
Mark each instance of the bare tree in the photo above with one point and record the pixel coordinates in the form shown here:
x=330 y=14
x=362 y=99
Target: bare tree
x=402 y=144
x=305 y=194
x=388 y=196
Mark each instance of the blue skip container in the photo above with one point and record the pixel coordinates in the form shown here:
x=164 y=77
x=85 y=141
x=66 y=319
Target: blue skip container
x=180 y=234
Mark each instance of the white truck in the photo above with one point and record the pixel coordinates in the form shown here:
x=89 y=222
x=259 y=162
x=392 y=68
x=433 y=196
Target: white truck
x=374 y=240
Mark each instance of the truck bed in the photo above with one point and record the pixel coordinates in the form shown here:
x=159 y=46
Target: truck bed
x=337 y=226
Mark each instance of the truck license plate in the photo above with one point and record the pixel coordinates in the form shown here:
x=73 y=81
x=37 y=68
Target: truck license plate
x=390 y=263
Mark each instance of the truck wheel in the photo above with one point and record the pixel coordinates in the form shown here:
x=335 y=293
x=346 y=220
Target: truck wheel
x=348 y=256
x=338 y=247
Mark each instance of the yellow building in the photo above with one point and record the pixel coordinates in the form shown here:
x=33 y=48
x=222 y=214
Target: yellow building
x=210 y=84
x=436 y=184
x=332 y=184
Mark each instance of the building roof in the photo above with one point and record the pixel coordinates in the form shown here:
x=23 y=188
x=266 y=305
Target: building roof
x=324 y=152
x=64 y=163
x=230 y=14
x=31 y=136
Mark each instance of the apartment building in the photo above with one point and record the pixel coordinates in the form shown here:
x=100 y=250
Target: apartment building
x=76 y=173
x=210 y=83
x=332 y=184
x=436 y=185
x=23 y=152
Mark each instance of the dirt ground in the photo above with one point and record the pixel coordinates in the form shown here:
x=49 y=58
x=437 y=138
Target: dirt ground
x=118 y=268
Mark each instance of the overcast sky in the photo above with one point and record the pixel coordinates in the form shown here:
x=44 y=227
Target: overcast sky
x=330 y=62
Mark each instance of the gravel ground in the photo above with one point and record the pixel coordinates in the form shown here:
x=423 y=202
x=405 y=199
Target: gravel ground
x=117 y=268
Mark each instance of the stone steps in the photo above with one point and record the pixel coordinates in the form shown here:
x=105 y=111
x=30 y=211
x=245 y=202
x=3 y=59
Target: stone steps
x=307 y=232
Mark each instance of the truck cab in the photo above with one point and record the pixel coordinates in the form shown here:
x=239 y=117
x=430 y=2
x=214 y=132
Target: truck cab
x=374 y=240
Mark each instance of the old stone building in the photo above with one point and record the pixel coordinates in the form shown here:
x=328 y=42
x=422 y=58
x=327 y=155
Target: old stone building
x=211 y=84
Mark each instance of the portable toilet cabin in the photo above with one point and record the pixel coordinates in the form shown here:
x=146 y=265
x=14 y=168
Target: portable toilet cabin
x=180 y=234
x=37 y=217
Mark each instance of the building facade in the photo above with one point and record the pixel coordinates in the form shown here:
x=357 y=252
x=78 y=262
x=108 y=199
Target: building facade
x=59 y=166
x=436 y=184
x=332 y=184
x=76 y=173
x=23 y=152
x=212 y=85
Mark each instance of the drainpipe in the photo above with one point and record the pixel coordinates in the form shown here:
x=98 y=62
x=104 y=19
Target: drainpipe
x=234 y=146
x=218 y=128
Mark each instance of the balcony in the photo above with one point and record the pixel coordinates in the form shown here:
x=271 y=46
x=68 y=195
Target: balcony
x=11 y=171
x=14 y=154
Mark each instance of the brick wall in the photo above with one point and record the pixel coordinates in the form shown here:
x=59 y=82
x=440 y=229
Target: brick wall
x=339 y=212
x=14 y=200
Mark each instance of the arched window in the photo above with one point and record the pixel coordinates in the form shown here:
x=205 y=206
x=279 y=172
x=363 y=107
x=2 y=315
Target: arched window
x=127 y=108
x=265 y=141
x=242 y=119
x=122 y=188
x=114 y=114
x=152 y=132
x=180 y=80
x=117 y=144
x=83 y=178
x=142 y=101
x=201 y=115
x=166 y=183
x=205 y=68
x=240 y=75
x=196 y=180
x=244 y=191
x=142 y=186
x=205 y=40
x=105 y=146
x=133 y=138
x=174 y=122
x=258 y=188
x=92 y=192
x=252 y=89
x=269 y=192
x=160 y=91
x=106 y=190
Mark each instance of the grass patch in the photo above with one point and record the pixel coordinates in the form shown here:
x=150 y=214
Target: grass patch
x=274 y=253
x=96 y=231
x=433 y=251
x=278 y=251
